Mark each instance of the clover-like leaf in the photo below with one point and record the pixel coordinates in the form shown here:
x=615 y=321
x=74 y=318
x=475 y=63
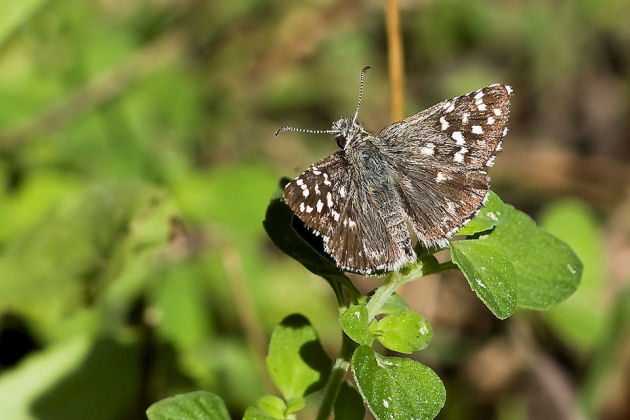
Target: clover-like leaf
x=295 y=404
x=394 y=304
x=198 y=405
x=404 y=332
x=354 y=322
x=397 y=388
x=297 y=361
x=254 y=413
x=272 y=405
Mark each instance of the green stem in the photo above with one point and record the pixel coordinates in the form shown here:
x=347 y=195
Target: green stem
x=392 y=282
x=341 y=366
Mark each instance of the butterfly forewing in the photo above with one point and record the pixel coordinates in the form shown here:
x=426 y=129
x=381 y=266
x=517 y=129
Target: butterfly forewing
x=328 y=199
x=440 y=159
x=320 y=193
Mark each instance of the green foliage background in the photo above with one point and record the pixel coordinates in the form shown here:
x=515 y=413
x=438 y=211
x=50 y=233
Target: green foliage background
x=137 y=159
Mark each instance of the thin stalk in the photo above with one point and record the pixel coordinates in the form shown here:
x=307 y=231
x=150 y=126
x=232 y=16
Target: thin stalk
x=341 y=366
x=390 y=285
x=396 y=60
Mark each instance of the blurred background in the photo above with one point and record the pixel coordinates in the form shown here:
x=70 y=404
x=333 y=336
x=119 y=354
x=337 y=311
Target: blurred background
x=137 y=158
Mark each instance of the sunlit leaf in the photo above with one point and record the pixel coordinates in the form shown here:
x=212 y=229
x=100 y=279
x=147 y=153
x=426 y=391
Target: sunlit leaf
x=404 y=332
x=354 y=322
x=297 y=362
x=199 y=405
x=397 y=388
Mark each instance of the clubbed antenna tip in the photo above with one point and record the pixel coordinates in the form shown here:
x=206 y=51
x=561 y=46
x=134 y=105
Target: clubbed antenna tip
x=363 y=70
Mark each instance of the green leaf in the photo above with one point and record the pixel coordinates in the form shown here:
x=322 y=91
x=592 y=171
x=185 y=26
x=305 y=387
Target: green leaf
x=548 y=270
x=516 y=254
x=404 y=332
x=198 y=405
x=354 y=322
x=295 y=404
x=253 y=413
x=396 y=388
x=297 y=361
x=487 y=218
x=349 y=405
x=394 y=304
x=489 y=272
x=272 y=405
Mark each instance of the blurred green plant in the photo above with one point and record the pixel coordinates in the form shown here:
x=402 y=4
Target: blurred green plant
x=509 y=262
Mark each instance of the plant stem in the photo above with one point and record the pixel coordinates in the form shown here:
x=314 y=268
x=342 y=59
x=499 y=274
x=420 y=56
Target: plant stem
x=392 y=282
x=341 y=366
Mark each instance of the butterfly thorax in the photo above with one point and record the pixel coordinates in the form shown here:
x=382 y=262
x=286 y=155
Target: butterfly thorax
x=348 y=131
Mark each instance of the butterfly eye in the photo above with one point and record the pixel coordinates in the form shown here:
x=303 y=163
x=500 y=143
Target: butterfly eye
x=341 y=141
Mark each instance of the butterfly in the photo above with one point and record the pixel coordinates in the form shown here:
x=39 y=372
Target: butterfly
x=419 y=179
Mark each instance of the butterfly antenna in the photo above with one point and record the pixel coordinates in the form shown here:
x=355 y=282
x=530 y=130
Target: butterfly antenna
x=303 y=130
x=356 y=114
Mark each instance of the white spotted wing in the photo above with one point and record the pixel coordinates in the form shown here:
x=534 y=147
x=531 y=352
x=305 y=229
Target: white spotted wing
x=440 y=156
x=328 y=198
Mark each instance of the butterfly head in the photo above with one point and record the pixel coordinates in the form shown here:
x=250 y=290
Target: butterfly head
x=346 y=130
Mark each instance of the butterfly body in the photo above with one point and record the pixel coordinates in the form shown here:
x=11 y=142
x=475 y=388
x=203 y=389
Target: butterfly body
x=420 y=178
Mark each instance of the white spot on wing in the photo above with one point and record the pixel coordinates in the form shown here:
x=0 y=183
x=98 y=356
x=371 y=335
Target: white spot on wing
x=490 y=120
x=505 y=131
x=309 y=209
x=302 y=206
x=329 y=199
x=490 y=161
x=440 y=177
x=481 y=107
x=342 y=191
x=499 y=148
x=305 y=192
x=479 y=95
x=458 y=137
x=465 y=118
x=450 y=108
x=444 y=123
x=497 y=112
x=319 y=206
x=459 y=156
x=476 y=129
x=428 y=150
